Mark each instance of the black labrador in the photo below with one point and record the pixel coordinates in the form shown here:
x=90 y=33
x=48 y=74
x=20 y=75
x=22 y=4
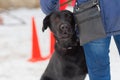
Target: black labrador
x=68 y=61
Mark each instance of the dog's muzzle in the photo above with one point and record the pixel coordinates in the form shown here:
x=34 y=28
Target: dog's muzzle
x=66 y=30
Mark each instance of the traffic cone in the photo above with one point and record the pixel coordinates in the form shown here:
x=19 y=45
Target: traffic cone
x=36 y=53
x=73 y=3
x=63 y=7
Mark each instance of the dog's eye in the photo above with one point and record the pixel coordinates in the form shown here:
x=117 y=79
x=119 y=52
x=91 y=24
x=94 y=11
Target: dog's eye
x=56 y=19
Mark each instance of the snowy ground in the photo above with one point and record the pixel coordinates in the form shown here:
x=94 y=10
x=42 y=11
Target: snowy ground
x=15 y=47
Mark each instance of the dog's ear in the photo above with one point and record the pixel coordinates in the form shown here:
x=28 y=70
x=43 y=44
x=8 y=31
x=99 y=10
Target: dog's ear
x=46 y=23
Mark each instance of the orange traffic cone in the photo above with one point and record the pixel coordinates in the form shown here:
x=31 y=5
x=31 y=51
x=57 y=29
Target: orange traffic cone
x=36 y=53
x=73 y=3
x=63 y=7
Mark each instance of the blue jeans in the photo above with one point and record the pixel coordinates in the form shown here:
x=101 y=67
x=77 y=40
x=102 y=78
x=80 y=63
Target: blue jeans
x=97 y=57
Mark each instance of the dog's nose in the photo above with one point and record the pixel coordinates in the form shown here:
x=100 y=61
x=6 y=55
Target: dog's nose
x=64 y=27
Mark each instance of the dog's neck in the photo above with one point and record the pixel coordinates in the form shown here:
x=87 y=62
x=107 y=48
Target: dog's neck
x=63 y=48
x=59 y=47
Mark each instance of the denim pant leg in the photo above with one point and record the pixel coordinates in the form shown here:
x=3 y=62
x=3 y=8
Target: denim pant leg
x=97 y=59
x=117 y=41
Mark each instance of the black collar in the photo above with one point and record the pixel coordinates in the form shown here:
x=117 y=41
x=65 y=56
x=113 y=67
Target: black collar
x=60 y=48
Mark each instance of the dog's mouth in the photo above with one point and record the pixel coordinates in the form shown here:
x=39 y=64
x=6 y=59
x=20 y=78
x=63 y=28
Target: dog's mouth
x=65 y=37
x=67 y=42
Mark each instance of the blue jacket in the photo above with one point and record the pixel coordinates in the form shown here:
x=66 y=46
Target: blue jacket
x=110 y=10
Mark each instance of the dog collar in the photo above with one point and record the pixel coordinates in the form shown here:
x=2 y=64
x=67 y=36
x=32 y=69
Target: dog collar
x=60 y=48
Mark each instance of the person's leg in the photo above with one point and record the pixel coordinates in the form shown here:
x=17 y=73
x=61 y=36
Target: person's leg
x=117 y=41
x=97 y=59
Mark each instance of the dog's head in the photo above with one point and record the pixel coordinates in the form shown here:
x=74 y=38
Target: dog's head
x=62 y=24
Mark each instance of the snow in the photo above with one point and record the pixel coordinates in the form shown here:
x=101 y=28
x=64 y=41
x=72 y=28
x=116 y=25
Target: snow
x=16 y=48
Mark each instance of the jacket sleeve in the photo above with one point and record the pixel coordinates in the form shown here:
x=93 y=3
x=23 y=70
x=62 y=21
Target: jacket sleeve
x=48 y=6
x=81 y=1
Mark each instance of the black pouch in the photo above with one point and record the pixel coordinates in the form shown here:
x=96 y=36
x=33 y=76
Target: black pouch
x=89 y=22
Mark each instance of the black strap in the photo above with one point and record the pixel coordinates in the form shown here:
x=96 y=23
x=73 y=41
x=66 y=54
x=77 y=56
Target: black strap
x=86 y=5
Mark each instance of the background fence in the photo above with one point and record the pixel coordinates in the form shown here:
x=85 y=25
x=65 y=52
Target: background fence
x=13 y=4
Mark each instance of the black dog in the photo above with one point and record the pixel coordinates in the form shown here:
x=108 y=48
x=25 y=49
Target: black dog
x=68 y=60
